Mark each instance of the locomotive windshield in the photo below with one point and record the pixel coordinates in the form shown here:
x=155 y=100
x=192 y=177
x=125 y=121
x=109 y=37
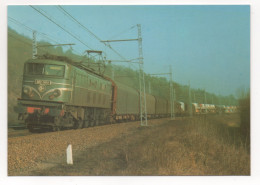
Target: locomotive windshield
x=44 y=69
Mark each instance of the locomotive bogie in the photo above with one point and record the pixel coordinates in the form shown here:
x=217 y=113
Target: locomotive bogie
x=65 y=116
x=96 y=116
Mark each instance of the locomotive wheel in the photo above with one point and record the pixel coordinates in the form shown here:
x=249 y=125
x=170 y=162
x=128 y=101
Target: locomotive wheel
x=92 y=123
x=55 y=128
x=31 y=129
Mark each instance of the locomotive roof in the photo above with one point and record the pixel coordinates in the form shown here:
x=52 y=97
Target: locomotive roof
x=54 y=59
x=47 y=61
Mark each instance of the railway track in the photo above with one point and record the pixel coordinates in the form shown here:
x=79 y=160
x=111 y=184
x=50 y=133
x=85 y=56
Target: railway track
x=14 y=132
x=20 y=130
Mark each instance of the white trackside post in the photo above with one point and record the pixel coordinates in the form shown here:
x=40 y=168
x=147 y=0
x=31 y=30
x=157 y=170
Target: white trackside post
x=69 y=155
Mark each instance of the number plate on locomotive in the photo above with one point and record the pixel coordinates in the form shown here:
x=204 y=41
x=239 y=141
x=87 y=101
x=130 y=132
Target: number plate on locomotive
x=43 y=82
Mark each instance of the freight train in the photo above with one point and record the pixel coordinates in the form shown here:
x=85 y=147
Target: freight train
x=58 y=93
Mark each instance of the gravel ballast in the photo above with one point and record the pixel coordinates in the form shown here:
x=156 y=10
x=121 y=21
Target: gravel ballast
x=28 y=152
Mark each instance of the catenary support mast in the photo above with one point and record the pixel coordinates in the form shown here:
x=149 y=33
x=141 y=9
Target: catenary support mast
x=143 y=112
x=171 y=94
x=172 y=90
x=34 y=46
x=190 y=102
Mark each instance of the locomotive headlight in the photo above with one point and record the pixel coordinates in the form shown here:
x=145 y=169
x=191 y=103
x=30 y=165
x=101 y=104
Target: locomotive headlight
x=57 y=93
x=27 y=90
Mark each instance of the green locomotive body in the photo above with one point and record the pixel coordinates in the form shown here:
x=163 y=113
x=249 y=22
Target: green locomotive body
x=58 y=93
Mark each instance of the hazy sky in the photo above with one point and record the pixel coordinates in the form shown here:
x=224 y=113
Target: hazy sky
x=206 y=45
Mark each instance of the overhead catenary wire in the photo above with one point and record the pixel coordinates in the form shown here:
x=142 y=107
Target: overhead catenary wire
x=75 y=20
x=39 y=33
x=59 y=43
x=50 y=19
x=86 y=29
x=44 y=35
x=43 y=13
x=16 y=38
x=94 y=35
x=19 y=23
x=123 y=31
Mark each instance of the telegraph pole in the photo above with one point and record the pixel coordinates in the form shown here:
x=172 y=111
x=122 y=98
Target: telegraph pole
x=205 y=99
x=172 y=91
x=34 y=46
x=171 y=95
x=113 y=74
x=174 y=96
x=219 y=99
x=141 y=79
x=190 y=103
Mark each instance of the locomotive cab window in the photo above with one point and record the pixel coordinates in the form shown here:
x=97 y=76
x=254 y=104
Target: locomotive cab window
x=44 y=69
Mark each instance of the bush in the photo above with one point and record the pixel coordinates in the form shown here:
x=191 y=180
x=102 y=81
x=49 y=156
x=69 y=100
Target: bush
x=244 y=105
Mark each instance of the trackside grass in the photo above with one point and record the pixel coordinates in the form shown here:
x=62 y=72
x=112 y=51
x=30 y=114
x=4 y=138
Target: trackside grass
x=206 y=145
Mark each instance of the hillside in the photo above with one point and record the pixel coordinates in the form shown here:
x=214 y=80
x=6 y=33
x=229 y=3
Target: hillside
x=20 y=50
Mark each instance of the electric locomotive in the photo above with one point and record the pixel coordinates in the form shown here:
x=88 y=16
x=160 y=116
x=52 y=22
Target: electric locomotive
x=59 y=93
